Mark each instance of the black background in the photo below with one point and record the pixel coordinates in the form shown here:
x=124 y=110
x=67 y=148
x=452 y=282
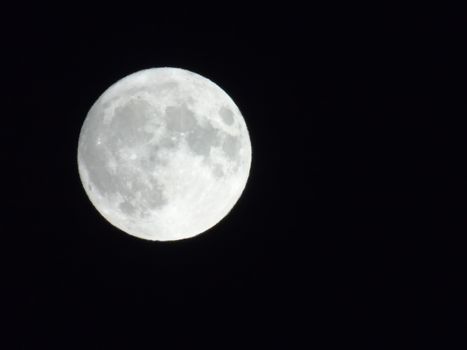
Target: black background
x=341 y=236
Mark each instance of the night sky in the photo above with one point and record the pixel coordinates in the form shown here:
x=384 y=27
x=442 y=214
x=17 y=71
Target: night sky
x=339 y=238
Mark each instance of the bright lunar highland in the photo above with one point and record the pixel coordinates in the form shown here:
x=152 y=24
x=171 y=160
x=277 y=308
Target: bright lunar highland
x=164 y=154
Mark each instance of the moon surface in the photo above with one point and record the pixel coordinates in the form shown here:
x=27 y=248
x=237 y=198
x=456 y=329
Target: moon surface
x=164 y=154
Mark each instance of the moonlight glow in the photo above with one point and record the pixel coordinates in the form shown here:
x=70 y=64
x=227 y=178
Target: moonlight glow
x=164 y=154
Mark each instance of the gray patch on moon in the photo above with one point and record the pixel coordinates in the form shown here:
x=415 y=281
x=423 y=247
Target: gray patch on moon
x=226 y=115
x=166 y=86
x=180 y=118
x=202 y=139
x=217 y=171
x=128 y=122
x=127 y=208
x=99 y=174
x=231 y=146
x=169 y=141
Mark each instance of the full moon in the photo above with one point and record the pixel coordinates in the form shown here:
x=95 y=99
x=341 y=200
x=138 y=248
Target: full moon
x=164 y=154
